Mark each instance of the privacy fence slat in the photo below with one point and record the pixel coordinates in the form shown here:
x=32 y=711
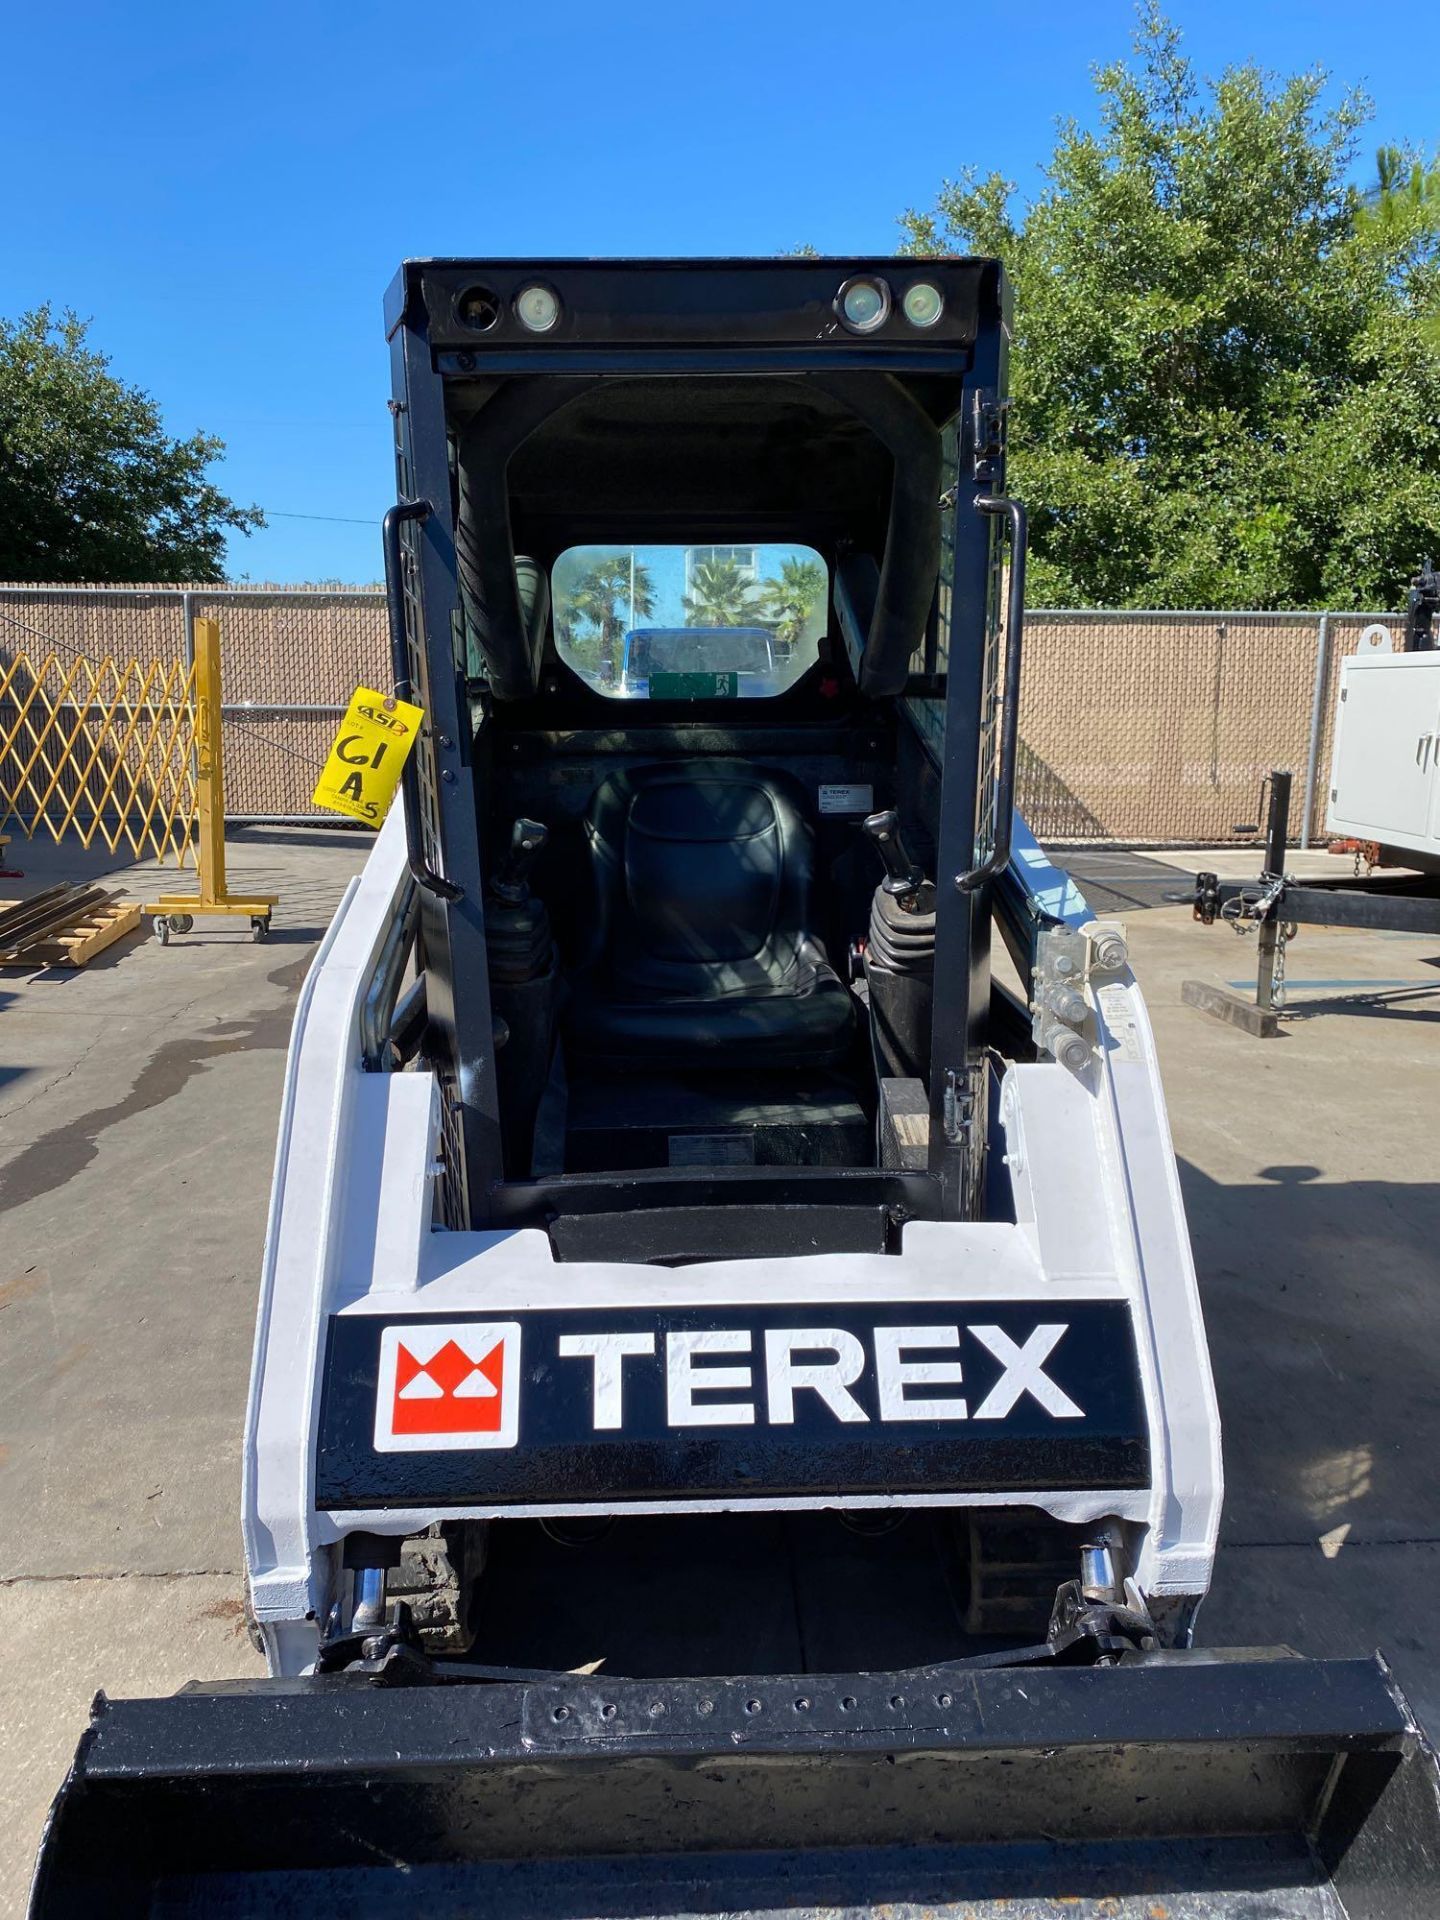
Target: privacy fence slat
x=1137 y=727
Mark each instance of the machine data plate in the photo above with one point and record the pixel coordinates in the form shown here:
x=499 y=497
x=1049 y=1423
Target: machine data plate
x=697 y=1403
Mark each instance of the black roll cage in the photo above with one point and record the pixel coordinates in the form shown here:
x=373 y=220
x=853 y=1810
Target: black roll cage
x=449 y=559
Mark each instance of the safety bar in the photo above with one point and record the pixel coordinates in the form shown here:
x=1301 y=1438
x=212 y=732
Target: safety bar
x=378 y=1008
x=999 y=855
x=420 y=869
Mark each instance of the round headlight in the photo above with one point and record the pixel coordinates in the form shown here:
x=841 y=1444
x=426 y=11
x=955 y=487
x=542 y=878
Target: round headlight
x=864 y=304
x=478 y=309
x=923 y=304
x=538 y=309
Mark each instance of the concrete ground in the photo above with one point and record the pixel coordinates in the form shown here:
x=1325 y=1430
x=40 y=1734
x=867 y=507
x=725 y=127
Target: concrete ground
x=1309 y=1167
x=138 y=1103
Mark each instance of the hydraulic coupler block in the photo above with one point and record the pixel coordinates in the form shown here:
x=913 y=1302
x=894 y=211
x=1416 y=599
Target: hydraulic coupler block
x=1067 y=961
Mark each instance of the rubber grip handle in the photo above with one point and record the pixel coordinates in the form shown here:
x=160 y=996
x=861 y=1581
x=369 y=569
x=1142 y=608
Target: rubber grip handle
x=527 y=842
x=902 y=875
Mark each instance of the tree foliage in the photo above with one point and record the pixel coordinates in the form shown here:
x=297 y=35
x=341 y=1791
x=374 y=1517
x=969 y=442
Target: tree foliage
x=790 y=599
x=722 y=594
x=595 y=611
x=1226 y=370
x=91 y=486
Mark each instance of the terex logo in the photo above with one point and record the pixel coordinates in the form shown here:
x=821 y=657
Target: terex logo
x=693 y=1400
x=448 y=1385
x=720 y=1378
x=458 y=1384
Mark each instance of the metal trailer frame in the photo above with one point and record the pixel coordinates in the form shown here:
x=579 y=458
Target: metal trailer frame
x=1374 y=903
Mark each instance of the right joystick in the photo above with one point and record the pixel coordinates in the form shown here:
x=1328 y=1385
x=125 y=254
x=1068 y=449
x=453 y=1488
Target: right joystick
x=903 y=877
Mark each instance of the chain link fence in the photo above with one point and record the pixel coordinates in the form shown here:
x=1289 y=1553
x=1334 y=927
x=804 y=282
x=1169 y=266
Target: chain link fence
x=1158 y=728
x=291 y=658
x=1137 y=728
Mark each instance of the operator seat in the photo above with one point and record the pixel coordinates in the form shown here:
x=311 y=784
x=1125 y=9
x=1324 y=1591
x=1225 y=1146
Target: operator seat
x=699 y=950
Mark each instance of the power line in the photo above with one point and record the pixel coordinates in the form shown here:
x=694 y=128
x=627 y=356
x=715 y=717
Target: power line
x=335 y=519
x=36 y=633
x=230 y=722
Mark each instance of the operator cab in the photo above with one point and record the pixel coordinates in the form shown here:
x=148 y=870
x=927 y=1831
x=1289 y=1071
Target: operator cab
x=709 y=652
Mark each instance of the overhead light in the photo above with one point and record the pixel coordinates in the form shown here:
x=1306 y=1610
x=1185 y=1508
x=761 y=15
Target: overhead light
x=864 y=304
x=478 y=309
x=923 y=304
x=537 y=308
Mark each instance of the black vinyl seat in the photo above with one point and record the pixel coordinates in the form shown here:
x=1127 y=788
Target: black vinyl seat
x=700 y=952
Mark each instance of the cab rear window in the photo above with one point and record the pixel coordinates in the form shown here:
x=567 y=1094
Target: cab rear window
x=687 y=623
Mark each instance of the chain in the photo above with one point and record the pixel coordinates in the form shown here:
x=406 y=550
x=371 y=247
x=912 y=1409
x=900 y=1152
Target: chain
x=1246 y=911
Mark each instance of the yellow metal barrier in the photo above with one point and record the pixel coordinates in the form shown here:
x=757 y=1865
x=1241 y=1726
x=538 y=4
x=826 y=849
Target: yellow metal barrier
x=129 y=753
x=174 y=912
x=99 y=750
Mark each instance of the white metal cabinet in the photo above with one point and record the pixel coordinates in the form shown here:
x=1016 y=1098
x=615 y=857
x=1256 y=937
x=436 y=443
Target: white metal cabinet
x=1385 y=773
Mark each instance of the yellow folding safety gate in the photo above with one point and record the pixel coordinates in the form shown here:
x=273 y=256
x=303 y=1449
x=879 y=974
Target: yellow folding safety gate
x=128 y=753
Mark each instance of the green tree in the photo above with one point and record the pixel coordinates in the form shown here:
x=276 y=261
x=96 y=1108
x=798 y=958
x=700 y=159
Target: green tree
x=594 y=612
x=1399 y=217
x=1226 y=387
x=1404 y=199
x=721 y=594
x=91 y=486
x=789 y=600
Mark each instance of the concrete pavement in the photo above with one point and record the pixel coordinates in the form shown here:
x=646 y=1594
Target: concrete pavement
x=138 y=1105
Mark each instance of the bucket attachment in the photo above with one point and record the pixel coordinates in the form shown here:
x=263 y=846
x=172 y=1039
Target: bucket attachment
x=1175 y=1785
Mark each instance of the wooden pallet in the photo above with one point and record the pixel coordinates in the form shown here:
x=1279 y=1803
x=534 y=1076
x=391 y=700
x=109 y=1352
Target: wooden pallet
x=63 y=926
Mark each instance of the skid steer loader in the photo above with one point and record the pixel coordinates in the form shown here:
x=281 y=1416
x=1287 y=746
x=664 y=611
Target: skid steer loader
x=731 y=1427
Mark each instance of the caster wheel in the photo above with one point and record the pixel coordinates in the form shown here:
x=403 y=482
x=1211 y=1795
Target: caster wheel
x=162 y=929
x=259 y=929
x=181 y=922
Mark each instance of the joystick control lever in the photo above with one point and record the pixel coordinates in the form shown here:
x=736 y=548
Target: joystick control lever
x=903 y=877
x=527 y=840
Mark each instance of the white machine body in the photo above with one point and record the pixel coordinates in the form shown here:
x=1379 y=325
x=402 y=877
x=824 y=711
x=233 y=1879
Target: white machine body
x=1098 y=1218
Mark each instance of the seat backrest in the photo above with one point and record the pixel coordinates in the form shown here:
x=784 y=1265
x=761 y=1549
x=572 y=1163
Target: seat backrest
x=702 y=874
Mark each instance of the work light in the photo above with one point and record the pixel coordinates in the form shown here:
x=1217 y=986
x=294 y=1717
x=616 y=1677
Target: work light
x=478 y=309
x=864 y=304
x=923 y=304
x=537 y=308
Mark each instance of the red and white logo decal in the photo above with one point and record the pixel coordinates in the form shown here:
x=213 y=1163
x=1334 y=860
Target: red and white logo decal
x=448 y=1384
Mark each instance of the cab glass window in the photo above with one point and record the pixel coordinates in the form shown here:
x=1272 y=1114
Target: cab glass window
x=689 y=623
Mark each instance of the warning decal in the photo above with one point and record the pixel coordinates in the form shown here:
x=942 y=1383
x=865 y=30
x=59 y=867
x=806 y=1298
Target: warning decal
x=449 y=1384
x=364 y=765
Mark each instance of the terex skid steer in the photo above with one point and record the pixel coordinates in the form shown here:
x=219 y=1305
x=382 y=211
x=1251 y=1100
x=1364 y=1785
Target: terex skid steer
x=731 y=1426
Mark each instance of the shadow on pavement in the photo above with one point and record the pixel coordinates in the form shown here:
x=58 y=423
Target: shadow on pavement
x=1320 y=1303
x=1114 y=881
x=1392 y=1004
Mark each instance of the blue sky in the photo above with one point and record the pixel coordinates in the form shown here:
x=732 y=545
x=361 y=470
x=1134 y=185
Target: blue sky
x=226 y=190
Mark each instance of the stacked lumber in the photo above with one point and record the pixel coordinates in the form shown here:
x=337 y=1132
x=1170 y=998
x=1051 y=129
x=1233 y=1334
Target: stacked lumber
x=64 y=926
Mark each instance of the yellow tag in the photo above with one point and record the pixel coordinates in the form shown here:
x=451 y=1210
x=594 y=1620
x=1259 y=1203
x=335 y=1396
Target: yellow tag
x=363 y=769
